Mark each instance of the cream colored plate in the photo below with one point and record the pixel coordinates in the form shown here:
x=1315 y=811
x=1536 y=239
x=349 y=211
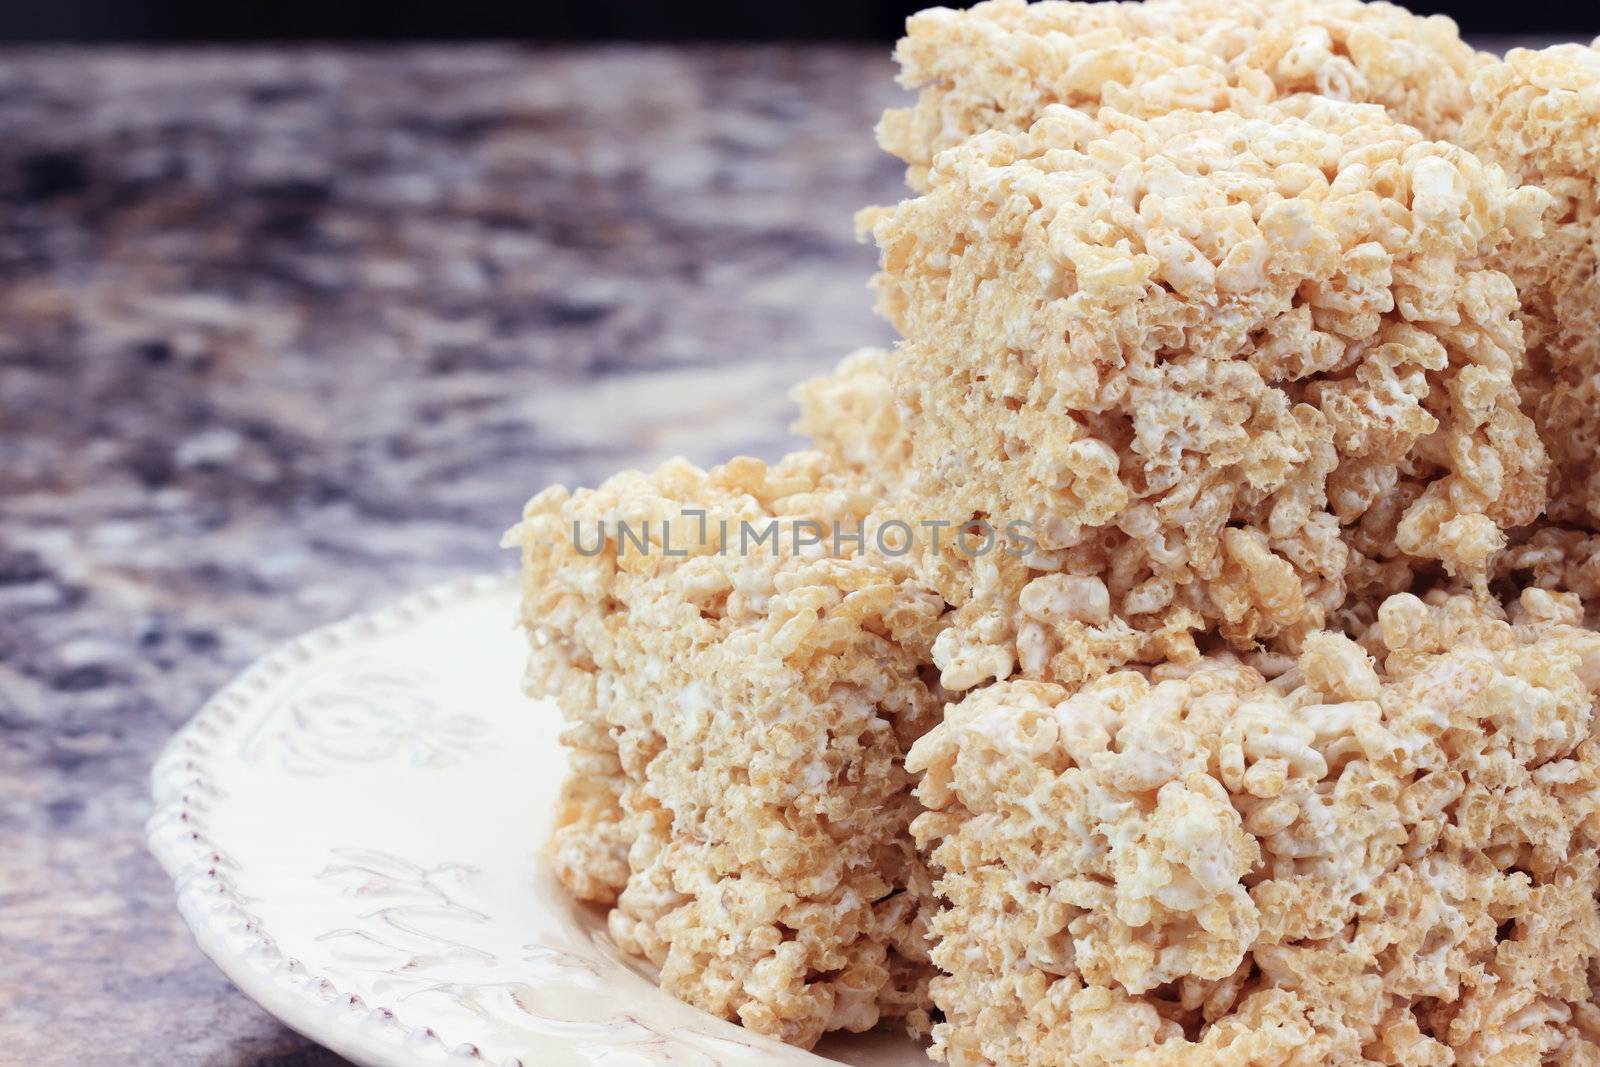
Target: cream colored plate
x=353 y=827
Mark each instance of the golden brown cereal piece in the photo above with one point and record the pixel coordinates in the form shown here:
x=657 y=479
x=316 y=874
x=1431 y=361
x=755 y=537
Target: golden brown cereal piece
x=1554 y=558
x=1229 y=371
x=998 y=65
x=1359 y=862
x=1538 y=115
x=739 y=711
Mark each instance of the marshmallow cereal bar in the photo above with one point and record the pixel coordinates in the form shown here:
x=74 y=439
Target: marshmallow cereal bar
x=1361 y=861
x=999 y=64
x=1230 y=372
x=1538 y=115
x=739 y=712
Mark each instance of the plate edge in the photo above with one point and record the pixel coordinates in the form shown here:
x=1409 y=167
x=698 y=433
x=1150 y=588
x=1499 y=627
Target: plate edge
x=216 y=916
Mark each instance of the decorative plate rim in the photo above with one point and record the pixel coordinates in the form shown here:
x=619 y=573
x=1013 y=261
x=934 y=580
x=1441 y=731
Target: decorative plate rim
x=216 y=915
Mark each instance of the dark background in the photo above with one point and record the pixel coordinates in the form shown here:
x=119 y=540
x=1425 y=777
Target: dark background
x=588 y=20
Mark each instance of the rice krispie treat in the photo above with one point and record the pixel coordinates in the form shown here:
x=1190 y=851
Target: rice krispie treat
x=1553 y=558
x=998 y=65
x=1357 y=862
x=1538 y=115
x=849 y=415
x=740 y=700
x=1229 y=372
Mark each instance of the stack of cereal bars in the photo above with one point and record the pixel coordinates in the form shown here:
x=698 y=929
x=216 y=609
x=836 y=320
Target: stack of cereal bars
x=1204 y=674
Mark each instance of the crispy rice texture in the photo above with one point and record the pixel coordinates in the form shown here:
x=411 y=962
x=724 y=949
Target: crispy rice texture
x=1538 y=115
x=1232 y=372
x=850 y=416
x=738 y=724
x=1556 y=559
x=1361 y=861
x=998 y=65
x=1216 y=788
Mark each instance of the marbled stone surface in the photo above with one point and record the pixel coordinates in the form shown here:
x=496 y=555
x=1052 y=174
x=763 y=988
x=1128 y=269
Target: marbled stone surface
x=286 y=334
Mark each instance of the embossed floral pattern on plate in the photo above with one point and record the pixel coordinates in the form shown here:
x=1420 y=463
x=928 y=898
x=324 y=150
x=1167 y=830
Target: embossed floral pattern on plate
x=353 y=829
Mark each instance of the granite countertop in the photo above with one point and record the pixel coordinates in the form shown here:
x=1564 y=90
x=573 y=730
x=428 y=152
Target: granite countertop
x=285 y=334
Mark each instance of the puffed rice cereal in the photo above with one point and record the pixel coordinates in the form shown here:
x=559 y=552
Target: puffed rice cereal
x=1229 y=371
x=1538 y=115
x=1360 y=861
x=998 y=65
x=850 y=416
x=1213 y=343
x=738 y=721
